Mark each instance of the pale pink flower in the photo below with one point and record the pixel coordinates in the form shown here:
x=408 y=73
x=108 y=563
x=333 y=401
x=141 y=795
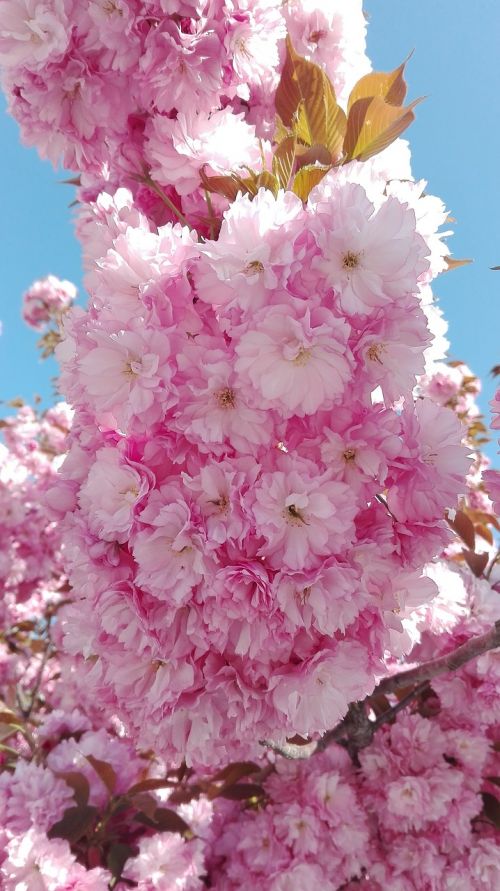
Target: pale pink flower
x=430 y=476
x=328 y=599
x=166 y=862
x=111 y=494
x=34 y=863
x=254 y=254
x=253 y=29
x=178 y=149
x=127 y=376
x=214 y=410
x=46 y=300
x=370 y=257
x=32 y=796
x=169 y=550
x=296 y=363
x=315 y=697
x=301 y=514
x=33 y=32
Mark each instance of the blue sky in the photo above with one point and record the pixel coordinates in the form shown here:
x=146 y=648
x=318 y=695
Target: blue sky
x=455 y=147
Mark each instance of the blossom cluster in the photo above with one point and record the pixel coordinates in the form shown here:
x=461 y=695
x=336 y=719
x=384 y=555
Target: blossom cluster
x=31 y=571
x=252 y=490
x=97 y=84
x=81 y=808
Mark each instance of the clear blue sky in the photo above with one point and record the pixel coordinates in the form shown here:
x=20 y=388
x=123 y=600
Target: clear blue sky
x=455 y=146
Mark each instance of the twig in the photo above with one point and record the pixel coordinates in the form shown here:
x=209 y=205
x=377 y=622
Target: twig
x=356 y=730
x=148 y=181
x=474 y=647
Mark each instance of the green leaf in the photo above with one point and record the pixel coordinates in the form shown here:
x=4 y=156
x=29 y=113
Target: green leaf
x=75 y=823
x=373 y=125
x=104 y=771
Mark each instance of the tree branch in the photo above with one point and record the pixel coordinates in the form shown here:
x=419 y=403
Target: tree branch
x=356 y=730
x=474 y=647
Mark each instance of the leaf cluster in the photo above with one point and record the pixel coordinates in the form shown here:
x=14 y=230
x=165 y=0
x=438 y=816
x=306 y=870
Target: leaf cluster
x=314 y=134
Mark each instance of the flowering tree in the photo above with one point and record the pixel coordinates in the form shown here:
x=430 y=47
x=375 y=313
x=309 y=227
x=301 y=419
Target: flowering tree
x=251 y=615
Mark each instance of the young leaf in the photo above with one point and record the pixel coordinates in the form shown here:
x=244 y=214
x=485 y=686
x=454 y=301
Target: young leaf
x=104 y=771
x=491 y=808
x=455 y=264
x=150 y=785
x=74 y=824
x=308 y=177
x=463 y=526
x=372 y=125
x=235 y=771
x=388 y=85
x=79 y=783
x=283 y=161
x=305 y=102
x=242 y=792
x=169 y=821
x=118 y=855
x=476 y=562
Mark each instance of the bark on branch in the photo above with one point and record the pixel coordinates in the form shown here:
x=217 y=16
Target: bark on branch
x=356 y=730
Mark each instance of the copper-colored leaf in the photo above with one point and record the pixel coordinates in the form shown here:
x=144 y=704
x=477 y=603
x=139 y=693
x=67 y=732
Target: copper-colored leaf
x=476 y=562
x=79 y=783
x=149 y=785
x=485 y=533
x=306 y=178
x=266 y=180
x=455 y=264
x=283 y=160
x=388 y=85
x=235 y=771
x=74 y=824
x=242 y=792
x=168 y=820
x=463 y=526
x=491 y=808
x=372 y=125
x=221 y=185
x=336 y=123
x=314 y=154
x=118 y=855
x=104 y=771
x=145 y=803
x=306 y=103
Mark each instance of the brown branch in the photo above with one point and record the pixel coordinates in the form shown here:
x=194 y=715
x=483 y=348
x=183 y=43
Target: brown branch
x=474 y=647
x=356 y=730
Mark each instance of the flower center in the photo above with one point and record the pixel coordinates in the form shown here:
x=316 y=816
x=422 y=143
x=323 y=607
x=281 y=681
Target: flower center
x=253 y=267
x=349 y=455
x=350 y=260
x=302 y=357
x=226 y=398
x=316 y=36
x=294 y=516
x=374 y=352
